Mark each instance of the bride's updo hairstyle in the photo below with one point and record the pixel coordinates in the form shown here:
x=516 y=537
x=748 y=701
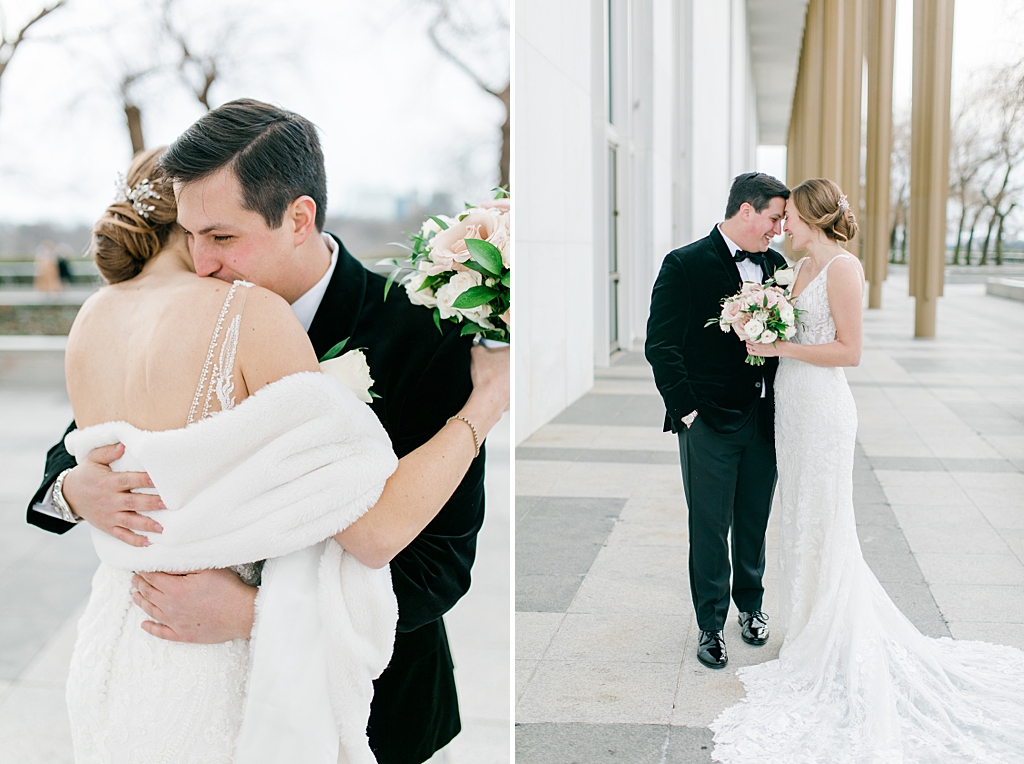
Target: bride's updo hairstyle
x=822 y=204
x=136 y=226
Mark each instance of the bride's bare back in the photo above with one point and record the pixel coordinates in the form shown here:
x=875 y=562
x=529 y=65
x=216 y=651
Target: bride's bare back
x=138 y=348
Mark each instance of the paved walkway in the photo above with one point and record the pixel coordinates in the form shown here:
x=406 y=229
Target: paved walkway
x=605 y=635
x=44 y=580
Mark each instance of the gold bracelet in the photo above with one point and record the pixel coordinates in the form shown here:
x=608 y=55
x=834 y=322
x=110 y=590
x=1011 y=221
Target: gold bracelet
x=476 y=438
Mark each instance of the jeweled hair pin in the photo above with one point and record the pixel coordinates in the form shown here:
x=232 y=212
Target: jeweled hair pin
x=137 y=195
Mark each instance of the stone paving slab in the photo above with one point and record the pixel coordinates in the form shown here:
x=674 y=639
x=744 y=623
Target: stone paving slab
x=939 y=499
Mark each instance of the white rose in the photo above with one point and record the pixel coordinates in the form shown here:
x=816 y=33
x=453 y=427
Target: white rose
x=450 y=292
x=768 y=337
x=352 y=371
x=753 y=328
x=790 y=331
x=783 y=276
x=418 y=296
x=786 y=312
x=761 y=315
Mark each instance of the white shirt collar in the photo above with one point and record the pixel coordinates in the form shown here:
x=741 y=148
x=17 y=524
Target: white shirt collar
x=306 y=306
x=733 y=247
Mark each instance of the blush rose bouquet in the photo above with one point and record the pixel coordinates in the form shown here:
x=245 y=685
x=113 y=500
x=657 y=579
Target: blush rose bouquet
x=460 y=267
x=759 y=313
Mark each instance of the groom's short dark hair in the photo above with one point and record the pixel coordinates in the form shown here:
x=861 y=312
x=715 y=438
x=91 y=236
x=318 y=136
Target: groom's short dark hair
x=274 y=153
x=755 y=188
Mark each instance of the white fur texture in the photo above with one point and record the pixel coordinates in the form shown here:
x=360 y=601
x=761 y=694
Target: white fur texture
x=285 y=469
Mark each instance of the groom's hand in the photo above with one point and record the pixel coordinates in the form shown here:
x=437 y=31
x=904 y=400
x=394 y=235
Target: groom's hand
x=105 y=500
x=206 y=607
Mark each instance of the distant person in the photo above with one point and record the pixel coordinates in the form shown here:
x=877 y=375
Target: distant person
x=64 y=253
x=47 y=272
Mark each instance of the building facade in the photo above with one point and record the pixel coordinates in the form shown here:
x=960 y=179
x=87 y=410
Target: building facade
x=632 y=118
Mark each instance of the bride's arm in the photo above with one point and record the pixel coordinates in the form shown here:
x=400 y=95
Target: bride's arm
x=427 y=477
x=845 y=297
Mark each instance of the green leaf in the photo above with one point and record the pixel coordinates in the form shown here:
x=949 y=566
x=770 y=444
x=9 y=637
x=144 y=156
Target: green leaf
x=471 y=328
x=474 y=297
x=502 y=192
x=478 y=268
x=400 y=244
x=374 y=395
x=444 y=225
x=485 y=253
x=391 y=280
x=335 y=351
x=437 y=319
x=506 y=279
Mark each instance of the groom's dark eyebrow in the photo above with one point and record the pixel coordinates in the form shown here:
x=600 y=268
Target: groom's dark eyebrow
x=214 y=227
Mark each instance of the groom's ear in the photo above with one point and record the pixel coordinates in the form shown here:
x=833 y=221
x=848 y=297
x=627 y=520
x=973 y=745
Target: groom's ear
x=301 y=215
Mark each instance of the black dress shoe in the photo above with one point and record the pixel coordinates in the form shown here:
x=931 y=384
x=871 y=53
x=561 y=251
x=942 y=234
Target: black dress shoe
x=753 y=628
x=711 y=650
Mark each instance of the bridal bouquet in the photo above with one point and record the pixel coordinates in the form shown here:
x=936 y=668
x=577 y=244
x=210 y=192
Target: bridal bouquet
x=759 y=313
x=460 y=268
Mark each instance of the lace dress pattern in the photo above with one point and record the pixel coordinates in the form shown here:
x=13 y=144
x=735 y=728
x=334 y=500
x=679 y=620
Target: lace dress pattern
x=855 y=682
x=136 y=699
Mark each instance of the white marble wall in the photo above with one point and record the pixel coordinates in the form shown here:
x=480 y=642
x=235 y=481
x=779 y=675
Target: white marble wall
x=554 y=209
x=690 y=128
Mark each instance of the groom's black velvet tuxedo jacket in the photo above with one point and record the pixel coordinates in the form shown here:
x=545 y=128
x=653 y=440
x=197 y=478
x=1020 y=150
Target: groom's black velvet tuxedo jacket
x=422 y=376
x=698 y=367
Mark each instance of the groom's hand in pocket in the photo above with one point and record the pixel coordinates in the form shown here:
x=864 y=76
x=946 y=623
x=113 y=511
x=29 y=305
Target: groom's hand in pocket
x=105 y=500
x=206 y=607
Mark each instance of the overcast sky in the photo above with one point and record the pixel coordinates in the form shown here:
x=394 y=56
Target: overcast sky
x=985 y=33
x=395 y=117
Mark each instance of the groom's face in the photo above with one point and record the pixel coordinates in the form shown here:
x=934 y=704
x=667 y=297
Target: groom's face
x=230 y=242
x=763 y=226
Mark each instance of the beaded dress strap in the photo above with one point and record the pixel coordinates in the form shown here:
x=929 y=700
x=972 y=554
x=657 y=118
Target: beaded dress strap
x=216 y=378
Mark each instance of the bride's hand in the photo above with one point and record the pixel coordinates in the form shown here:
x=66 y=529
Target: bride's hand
x=775 y=350
x=490 y=370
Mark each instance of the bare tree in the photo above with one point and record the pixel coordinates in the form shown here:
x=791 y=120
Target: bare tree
x=970 y=154
x=899 y=185
x=9 y=45
x=457 y=29
x=127 y=88
x=198 y=67
x=1004 y=112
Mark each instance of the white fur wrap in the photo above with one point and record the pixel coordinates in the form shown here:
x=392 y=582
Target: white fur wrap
x=271 y=479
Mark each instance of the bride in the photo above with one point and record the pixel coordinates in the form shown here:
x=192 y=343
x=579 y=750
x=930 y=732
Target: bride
x=267 y=459
x=854 y=681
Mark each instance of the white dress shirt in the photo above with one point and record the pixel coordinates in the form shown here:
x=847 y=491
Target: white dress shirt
x=305 y=309
x=749 y=271
x=306 y=306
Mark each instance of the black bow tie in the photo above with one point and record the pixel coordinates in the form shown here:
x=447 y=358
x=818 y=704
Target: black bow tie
x=758 y=258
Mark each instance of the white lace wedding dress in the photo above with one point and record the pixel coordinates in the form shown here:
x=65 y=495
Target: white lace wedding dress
x=855 y=682
x=268 y=478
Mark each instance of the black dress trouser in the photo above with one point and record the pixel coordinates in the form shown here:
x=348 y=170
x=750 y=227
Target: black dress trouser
x=728 y=481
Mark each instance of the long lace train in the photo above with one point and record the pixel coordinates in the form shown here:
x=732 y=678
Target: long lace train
x=855 y=682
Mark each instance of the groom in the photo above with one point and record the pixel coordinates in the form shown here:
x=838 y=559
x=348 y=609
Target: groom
x=252 y=160
x=720 y=408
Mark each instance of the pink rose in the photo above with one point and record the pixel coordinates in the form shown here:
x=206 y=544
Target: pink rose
x=740 y=326
x=731 y=311
x=449 y=246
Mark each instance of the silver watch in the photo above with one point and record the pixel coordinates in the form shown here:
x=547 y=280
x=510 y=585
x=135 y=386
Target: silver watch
x=60 y=503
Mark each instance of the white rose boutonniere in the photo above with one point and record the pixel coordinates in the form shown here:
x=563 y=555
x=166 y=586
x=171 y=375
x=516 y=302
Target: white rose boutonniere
x=784 y=277
x=351 y=369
